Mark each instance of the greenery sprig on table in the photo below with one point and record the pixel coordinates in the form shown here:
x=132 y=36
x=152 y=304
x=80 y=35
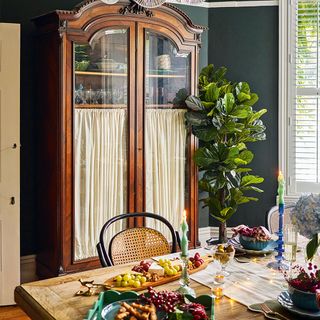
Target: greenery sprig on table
x=223 y=119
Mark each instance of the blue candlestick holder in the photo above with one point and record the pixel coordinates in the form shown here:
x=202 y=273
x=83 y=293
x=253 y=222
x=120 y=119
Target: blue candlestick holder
x=279 y=264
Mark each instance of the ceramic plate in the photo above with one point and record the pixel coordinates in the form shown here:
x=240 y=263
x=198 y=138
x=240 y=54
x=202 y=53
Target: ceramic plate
x=269 y=249
x=110 y=311
x=285 y=300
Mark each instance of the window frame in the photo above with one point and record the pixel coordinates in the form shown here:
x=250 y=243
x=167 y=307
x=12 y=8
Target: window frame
x=287 y=94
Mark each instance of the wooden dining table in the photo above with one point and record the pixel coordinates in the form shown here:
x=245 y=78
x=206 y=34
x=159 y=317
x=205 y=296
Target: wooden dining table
x=55 y=299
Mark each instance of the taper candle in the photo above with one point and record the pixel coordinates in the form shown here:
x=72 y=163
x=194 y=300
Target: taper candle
x=184 y=236
x=281 y=186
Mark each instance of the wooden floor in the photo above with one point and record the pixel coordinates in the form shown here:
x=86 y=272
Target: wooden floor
x=12 y=313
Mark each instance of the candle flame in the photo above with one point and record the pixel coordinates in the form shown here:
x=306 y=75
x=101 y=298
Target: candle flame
x=280 y=176
x=184 y=215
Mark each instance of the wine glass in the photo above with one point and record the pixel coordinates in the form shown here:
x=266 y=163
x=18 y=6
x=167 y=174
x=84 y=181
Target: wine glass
x=224 y=254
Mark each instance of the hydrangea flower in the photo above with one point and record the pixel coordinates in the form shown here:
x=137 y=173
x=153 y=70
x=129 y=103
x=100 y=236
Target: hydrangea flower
x=306 y=215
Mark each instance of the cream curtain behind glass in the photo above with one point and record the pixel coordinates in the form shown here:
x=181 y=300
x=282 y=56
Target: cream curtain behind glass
x=100 y=174
x=165 y=147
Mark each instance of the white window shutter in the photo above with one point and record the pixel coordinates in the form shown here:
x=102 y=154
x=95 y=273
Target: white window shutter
x=304 y=151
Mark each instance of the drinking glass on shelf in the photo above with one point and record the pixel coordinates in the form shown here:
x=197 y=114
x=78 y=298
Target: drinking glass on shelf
x=108 y=97
x=88 y=95
x=99 y=96
x=290 y=238
x=79 y=95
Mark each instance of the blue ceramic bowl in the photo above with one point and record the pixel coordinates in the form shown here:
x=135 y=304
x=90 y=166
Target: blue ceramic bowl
x=253 y=244
x=304 y=300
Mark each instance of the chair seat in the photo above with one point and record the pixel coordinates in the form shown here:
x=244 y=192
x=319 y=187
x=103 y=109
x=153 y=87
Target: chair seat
x=137 y=244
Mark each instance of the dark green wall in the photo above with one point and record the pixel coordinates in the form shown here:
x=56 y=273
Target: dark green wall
x=245 y=40
x=20 y=11
x=200 y=16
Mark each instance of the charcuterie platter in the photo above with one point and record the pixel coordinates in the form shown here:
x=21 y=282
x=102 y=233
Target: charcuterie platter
x=156 y=273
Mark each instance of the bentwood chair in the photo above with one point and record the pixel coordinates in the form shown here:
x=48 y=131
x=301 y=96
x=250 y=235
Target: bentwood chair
x=134 y=244
x=273 y=217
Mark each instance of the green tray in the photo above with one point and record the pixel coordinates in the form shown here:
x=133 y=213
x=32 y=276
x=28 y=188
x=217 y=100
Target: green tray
x=110 y=296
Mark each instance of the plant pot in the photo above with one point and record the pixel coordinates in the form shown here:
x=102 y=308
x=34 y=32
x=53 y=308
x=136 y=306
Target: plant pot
x=251 y=243
x=305 y=300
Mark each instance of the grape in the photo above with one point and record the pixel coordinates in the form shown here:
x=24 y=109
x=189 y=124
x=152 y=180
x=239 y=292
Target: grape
x=124 y=283
x=137 y=284
x=118 y=278
x=163 y=300
x=143 y=280
x=126 y=277
x=197 y=264
x=168 y=301
x=197 y=310
x=143 y=266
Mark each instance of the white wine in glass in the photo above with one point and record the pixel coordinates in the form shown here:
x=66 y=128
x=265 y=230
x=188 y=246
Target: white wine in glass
x=290 y=237
x=290 y=251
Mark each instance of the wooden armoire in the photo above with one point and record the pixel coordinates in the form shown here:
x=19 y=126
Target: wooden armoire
x=111 y=132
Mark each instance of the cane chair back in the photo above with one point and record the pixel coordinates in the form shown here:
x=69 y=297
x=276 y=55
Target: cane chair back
x=137 y=244
x=134 y=244
x=273 y=217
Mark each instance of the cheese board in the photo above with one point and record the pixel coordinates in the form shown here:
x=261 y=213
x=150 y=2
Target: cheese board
x=157 y=273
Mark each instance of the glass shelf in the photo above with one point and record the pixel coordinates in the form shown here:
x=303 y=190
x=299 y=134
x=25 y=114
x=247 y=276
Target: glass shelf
x=165 y=76
x=162 y=106
x=123 y=106
x=100 y=106
x=100 y=73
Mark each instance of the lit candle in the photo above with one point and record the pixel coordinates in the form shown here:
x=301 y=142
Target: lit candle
x=217 y=292
x=184 y=236
x=281 y=188
x=219 y=278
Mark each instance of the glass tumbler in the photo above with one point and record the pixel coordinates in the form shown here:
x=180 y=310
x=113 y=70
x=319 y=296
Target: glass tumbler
x=290 y=238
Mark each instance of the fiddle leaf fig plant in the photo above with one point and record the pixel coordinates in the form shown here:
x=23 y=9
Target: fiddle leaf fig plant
x=224 y=120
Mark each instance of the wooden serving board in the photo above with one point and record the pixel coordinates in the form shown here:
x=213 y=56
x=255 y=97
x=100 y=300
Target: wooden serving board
x=163 y=280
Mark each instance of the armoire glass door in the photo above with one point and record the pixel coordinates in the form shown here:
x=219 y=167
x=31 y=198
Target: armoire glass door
x=100 y=136
x=167 y=77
